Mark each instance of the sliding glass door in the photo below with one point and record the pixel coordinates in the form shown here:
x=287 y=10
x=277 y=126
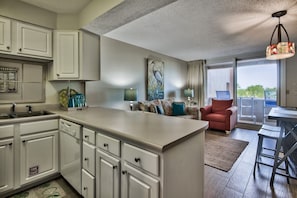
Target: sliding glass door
x=253 y=84
x=257 y=82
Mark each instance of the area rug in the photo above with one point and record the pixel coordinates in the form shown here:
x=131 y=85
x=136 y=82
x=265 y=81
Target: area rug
x=222 y=152
x=46 y=190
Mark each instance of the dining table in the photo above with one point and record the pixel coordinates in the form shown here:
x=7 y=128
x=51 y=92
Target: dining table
x=287 y=142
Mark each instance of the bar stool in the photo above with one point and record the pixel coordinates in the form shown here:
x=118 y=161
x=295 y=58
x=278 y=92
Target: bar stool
x=272 y=133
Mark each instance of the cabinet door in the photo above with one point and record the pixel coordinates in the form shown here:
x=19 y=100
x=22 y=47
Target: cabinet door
x=6 y=164
x=39 y=155
x=5 y=34
x=137 y=184
x=33 y=40
x=66 y=55
x=88 y=182
x=107 y=176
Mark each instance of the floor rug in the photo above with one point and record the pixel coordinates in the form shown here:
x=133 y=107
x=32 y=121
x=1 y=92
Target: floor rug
x=222 y=152
x=46 y=190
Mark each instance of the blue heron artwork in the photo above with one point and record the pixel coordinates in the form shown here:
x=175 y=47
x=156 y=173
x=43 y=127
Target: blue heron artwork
x=155 y=80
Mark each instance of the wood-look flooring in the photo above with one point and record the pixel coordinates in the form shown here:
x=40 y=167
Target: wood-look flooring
x=239 y=181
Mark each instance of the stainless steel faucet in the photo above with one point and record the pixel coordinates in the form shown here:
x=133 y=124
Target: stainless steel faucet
x=12 y=109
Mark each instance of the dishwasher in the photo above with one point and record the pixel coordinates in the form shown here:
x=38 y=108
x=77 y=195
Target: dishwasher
x=70 y=153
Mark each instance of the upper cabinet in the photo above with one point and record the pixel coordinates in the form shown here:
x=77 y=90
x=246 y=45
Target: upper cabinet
x=5 y=34
x=32 y=40
x=76 y=56
x=22 y=39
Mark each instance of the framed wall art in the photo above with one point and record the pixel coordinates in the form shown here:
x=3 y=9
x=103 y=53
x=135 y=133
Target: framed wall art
x=155 y=79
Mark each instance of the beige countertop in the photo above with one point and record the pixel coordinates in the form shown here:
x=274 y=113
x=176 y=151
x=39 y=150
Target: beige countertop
x=159 y=132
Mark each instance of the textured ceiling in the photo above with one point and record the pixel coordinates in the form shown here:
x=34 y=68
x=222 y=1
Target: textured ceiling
x=191 y=29
x=203 y=29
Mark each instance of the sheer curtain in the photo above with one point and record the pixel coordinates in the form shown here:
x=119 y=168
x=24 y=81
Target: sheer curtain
x=196 y=80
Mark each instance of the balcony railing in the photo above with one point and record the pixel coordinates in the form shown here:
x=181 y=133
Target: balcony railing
x=253 y=110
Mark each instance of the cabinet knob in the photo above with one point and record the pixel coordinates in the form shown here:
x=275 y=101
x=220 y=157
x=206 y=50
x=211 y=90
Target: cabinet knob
x=24 y=141
x=105 y=145
x=86 y=158
x=85 y=188
x=86 y=136
x=137 y=159
x=124 y=172
x=115 y=167
x=20 y=49
x=10 y=144
x=8 y=47
x=58 y=74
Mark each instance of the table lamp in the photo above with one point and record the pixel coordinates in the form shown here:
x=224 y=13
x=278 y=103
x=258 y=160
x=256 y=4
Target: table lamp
x=189 y=93
x=130 y=95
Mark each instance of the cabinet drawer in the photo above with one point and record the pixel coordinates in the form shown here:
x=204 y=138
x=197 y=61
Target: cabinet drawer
x=6 y=131
x=141 y=158
x=38 y=126
x=89 y=135
x=88 y=185
x=108 y=144
x=89 y=157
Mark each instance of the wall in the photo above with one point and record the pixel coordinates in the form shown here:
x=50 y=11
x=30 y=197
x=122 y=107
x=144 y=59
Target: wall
x=124 y=66
x=291 y=81
x=24 y=12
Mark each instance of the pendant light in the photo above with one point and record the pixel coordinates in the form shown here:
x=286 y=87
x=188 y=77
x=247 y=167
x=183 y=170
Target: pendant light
x=281 y=49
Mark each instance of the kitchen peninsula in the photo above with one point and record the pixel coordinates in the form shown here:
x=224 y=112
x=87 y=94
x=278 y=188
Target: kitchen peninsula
x=148 y=155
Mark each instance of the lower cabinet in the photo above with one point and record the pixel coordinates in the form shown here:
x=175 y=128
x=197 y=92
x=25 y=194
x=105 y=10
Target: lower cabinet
x=136 y=183
x=39 y=155
x=88 y=185
x=107 y=175
x=6 y=164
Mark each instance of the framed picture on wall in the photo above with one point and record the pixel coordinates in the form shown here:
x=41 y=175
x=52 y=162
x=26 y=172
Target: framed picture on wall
x=155 y=79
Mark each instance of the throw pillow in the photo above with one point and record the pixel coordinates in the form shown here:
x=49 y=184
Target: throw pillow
x=167 y=106
x=178 y=108
x=221 y=105
x=143 y=106
x=160 y=109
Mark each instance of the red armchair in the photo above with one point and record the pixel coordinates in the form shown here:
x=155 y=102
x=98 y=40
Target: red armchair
x=221 y=115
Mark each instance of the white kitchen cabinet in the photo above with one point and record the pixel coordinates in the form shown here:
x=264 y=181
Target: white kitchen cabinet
x=88 y=185
x=107 y=175
x=76 y=56
x=136 y=184
x=88 y=160
x=5 y=34
x=23 y=39
x=6 y=164
x=33 y=40
x=6 y=158
x=38 y=155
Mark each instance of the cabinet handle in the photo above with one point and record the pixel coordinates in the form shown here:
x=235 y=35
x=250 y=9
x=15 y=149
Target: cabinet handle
x=8 y=47
x=137 y=159
x=85 y=188
x=115 y=167
x=105 y=145
x=20 y=49
x=124 y=172
x=86 y=158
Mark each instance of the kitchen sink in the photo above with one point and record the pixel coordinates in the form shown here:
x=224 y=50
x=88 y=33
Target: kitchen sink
x=23 y=114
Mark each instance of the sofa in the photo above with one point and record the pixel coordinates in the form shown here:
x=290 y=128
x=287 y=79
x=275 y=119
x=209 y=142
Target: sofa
x=169 y=107
x=221 y=115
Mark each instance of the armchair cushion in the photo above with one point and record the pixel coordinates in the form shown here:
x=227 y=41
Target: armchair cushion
x=219 y=106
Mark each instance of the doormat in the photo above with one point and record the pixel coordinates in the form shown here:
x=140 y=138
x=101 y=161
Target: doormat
x=222 y=152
